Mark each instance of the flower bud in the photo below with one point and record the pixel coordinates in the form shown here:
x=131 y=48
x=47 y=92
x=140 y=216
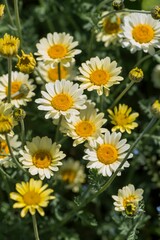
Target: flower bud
x=155 y=108
x=26 y=63
x=19 y=114
x=136 y=75
x=118 y=4
x=155 y=12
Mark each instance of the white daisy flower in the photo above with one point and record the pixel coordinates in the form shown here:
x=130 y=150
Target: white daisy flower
x=99 y=74
x=57 y=48
x=41 y=157
x=5 y=158
x=72 y=173
x=62 y=98
x=46 y=73
x=21 y=88
x=110 y=26
x=140 y=32
x=128 y=199
x=87 y=126
x=106 y=153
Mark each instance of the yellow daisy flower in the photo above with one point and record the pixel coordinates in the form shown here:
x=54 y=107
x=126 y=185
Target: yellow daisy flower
x=21 y=88
x=72 y=173
x=9 y=45
x=50 y=74
x=106 y=153
x=26 y=63
x=5 y=159
x=85 y=127
x=99 y=74
x=31 y=196
x=122 y=118
x=156 y=108
x=140 y=32
x=41 y=157
x=109 y=29
x=2 y=6
x=57 y=48
x=128 y=199
x=63 y=98
x=6 y=118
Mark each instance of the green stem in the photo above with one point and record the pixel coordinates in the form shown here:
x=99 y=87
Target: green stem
x=122 y=94
x=12 y=154
x=111 y=179
x=145 y=58
x=101 y=102
x=36 y=234
x=18 y=25
x=9 y=14
x=126 y=10
x=4 y=174
x=57 y=129
x=22 y=132
x=9 y=79
x=59 y=71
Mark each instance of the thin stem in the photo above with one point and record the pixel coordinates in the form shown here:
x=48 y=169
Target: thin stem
x=4 y=174
x=36 y=234
x=22 y=132
x=122 y=94
x=57 y=129
x=18 y=25
x=126 y=10
x=111 y=179
x=9 y=79
x=12 y=154
x=101 y=102
x=9 y=14
x=59 y=71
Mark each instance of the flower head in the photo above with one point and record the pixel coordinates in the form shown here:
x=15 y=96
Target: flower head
x=99 y=74
x=31 y=196
x=6 y=118
x=140 y=32
x=156 y=108
x=50 y=74
x=57 y=48
x=106 y=153
x=41 y=157
x=123 y=119
x=2 y=6
x=9 y=45
x=109 y=29
x=5 y=159
x=86 y=126
x=136 y=75
x=26 y=63
x=62 y=98
x=155 y=12
x=72 y=173
x=128 y=199
x=21 y=88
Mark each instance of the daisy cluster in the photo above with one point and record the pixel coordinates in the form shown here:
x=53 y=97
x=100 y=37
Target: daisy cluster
x=80 y=104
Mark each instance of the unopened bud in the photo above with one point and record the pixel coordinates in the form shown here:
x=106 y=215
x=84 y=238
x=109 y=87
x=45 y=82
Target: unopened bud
x=155 y=108
x=131 y=209
x=136 y=75
x=155 y=12
x=19 y=114
x=118 y=4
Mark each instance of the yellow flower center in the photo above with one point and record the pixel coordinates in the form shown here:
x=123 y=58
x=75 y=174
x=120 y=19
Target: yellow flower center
x=99 y=77
x=15 y=87
x=31 y=198
x=57 y=51
x=121 y=119
x=42 y=159
x=68 y=175
x=3 y=149
x=129 y=199
x=111 y=25
x=143 y=33
x=6 y=123
x=62 y=102
x=53 y=73
x=85 y=128
x=107 y=154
